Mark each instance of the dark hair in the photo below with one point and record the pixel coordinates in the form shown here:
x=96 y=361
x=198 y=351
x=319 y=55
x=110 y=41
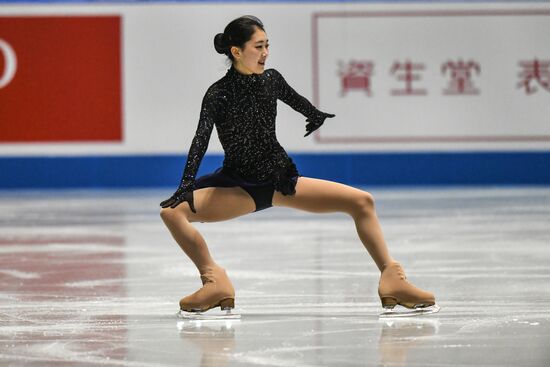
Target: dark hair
x=237 y=33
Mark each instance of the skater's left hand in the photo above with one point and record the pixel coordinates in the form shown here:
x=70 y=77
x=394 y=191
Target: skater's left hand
x=179 y=197
x=316 y=122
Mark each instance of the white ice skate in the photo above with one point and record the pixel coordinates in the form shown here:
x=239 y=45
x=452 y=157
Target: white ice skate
x=400 y=298
x=400 y=311
x=214 y=301
x=214 y=314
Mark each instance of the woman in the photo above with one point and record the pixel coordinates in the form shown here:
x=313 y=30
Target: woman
x=257 y=173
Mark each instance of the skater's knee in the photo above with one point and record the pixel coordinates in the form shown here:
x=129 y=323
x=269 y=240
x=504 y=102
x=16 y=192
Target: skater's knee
x=170 y=215
x=166 y=214
x=364 y=204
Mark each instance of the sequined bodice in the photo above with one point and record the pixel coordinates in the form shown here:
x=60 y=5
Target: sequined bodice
x=243 y=108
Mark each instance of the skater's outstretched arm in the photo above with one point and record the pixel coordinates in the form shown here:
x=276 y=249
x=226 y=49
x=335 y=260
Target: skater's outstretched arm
x=208 y=116
x=288 y=95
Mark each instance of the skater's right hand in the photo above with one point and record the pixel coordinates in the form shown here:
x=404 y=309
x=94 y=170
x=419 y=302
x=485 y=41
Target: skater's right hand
x=179 y=197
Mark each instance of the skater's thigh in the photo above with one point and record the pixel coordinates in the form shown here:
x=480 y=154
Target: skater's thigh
x=214 y=204
x=321 y=196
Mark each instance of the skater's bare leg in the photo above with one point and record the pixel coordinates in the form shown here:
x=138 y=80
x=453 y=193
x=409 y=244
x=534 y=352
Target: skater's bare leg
x=212 y=204
x=320 y=196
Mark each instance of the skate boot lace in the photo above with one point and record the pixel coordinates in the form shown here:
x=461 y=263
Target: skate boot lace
x=401 y=273
x=207 y=277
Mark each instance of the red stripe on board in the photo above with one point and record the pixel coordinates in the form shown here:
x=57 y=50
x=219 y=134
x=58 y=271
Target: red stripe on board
x=67 y=82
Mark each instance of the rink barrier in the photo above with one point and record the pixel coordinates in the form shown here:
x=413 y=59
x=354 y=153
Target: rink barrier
x=257 y=1
x=380 y=169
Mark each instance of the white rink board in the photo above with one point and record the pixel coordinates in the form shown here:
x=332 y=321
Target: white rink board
x=169 y=62
x=491 y=104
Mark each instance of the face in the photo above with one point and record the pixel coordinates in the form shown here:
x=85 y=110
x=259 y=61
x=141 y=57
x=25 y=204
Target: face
x=251 y=59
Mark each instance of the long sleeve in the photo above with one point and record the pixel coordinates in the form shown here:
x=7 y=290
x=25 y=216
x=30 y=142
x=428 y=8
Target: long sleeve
x=289 y=96
x=200 y=142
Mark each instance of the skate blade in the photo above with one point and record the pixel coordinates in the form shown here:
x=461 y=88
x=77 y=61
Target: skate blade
x=400 y=311
x=210 y=315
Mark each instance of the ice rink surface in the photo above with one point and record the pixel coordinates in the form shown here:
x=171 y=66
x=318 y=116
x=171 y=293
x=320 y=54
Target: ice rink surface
x=94 y=278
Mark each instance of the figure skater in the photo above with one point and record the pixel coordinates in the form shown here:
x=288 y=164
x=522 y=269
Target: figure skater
x=257 y=173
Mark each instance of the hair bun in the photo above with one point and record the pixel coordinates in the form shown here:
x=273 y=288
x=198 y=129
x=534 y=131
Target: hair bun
x=220 y=43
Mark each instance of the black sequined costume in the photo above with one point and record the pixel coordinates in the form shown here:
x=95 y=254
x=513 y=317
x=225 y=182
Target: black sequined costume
x=243 y=109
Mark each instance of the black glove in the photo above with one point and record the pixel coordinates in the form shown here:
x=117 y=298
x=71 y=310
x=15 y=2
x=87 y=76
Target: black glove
x=179 y=197
x=316 y=122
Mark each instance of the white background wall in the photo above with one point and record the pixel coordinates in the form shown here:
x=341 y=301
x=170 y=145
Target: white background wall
x=169 y=61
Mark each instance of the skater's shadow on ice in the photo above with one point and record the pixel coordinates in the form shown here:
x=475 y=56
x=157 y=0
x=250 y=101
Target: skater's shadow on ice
x=215 y=339
x=397 y=336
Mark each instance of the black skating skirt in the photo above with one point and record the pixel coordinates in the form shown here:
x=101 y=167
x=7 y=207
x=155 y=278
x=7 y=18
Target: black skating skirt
x=261 y=193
